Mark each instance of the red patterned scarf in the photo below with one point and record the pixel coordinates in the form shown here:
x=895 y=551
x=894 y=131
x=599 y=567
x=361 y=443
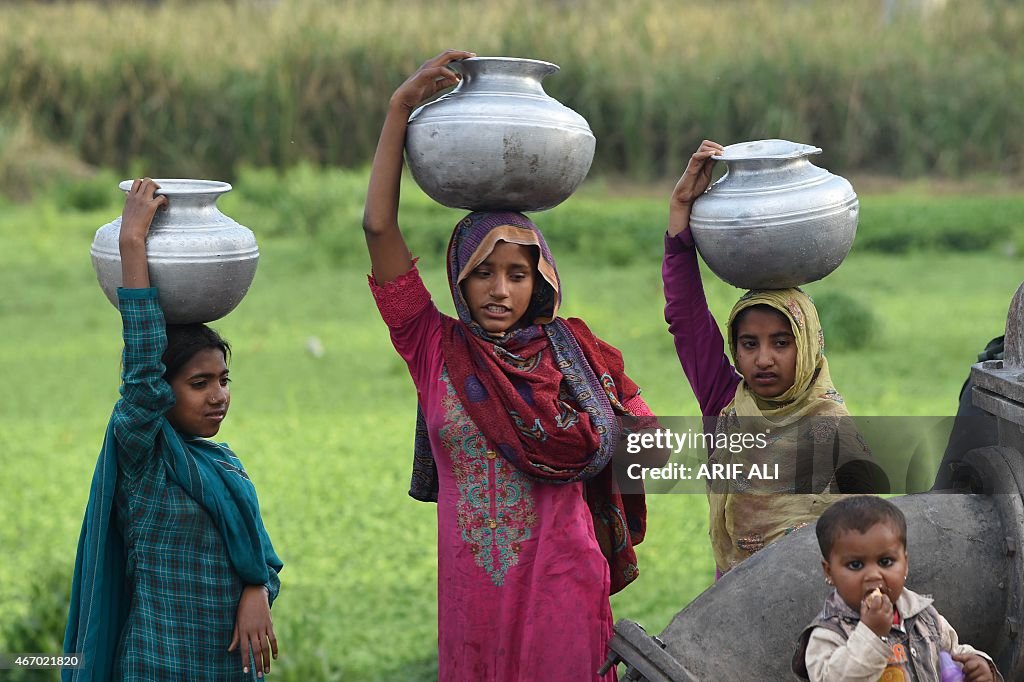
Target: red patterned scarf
x=547 y=397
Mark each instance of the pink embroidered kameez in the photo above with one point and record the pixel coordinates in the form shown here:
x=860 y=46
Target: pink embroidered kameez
x=522 y=583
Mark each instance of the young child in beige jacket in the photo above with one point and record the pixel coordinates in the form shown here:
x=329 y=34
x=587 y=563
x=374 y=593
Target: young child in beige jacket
x=871 y=626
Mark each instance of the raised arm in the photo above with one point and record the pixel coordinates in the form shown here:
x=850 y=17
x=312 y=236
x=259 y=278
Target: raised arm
x=145 y=396
x=389 y=256
x=699 y=345
x=139 y=208
x=694 y=181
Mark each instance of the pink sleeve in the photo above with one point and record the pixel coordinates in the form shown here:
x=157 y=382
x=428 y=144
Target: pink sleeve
x=699 y=344
x=637 y=407
x=414 y=322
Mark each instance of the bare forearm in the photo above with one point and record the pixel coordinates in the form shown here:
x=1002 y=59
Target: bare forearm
x=381 y=211
x=388 y=253
x=140 y=205
x=694 y=181
x=134 y=266
x=678 y=218
x=389 y=256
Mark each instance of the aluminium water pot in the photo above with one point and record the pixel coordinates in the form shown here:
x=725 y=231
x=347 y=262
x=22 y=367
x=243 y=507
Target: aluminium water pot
x=498 y=141
x=774 y=220
x=202 y=261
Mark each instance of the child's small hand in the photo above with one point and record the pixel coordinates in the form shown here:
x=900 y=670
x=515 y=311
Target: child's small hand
x=254 y=630
x=876 y=612
x=697 y=176
x=976 y=668
x=694 y=181
x=139 y=208
x=432 y=77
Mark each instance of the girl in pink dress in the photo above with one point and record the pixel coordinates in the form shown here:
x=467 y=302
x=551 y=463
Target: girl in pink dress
x=519 y=416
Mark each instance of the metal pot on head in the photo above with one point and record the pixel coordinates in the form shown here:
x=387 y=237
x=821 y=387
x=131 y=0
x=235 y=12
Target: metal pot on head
x=202 y=261
x=498 y=141
x=774 y=220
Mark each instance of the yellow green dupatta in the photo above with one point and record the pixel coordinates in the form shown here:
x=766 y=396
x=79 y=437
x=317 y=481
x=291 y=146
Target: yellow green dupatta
x=747 y=514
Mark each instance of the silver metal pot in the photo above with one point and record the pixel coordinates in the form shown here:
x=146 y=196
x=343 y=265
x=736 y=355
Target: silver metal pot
x=774 y=220
x=498 y=141
x=201 y=260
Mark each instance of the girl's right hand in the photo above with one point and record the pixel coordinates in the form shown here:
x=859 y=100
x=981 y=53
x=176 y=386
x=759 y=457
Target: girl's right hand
x=389 y=254
x=694 y=181
x=697 y=176
x=876 y=612
x=432 y=77
x=139 y=208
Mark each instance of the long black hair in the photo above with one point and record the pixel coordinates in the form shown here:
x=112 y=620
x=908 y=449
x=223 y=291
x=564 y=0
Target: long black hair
x=184 y=341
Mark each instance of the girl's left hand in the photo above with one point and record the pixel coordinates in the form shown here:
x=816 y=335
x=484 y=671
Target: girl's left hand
x=254 y=628
x=976 y=668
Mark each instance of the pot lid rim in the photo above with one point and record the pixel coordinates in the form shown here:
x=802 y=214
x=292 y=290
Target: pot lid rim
x=510 y=60
x=183 y=186
x=766 y=149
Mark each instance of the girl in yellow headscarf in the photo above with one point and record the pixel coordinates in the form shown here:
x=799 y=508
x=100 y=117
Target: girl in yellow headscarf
x=779 y=390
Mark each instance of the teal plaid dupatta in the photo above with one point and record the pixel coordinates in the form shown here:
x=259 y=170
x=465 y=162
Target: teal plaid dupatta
x=208 y=472
x=98 y=600
x=212 y=475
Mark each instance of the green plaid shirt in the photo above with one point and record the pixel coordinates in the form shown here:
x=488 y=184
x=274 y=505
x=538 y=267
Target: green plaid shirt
x=184 y=591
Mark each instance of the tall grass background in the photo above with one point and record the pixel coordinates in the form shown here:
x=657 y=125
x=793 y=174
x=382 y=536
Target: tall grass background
x=202 y=88
x=274 y=96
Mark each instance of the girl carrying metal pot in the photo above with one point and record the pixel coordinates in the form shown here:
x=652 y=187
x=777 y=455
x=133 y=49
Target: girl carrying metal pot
x=175 y=572
x=519 y=414
x=777 y=386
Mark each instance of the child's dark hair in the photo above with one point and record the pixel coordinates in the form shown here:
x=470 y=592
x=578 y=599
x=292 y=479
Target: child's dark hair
x=184 y=341
x=858 y=513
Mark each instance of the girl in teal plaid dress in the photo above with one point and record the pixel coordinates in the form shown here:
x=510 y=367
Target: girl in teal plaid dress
x=175 y=573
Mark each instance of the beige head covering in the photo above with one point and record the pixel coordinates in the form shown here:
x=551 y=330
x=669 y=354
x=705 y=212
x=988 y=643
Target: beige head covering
x=749 y=513
x=812 y=392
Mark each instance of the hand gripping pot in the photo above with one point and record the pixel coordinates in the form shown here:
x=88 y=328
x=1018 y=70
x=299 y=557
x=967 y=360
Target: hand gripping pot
x=774 y=220
x=201 y=261
x=498 y=141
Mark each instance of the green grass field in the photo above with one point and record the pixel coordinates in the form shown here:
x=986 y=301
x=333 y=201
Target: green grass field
x=328 y=440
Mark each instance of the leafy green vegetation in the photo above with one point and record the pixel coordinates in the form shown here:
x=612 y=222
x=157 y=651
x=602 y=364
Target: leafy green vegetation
x=328 y=439
x=285 y=100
